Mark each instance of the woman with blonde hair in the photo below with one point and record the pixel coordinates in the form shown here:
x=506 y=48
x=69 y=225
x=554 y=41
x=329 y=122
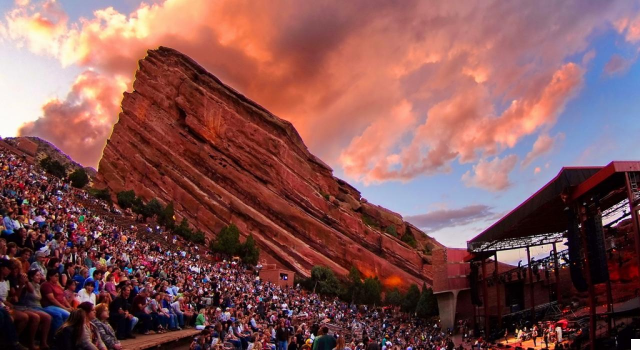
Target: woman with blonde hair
x=339 y=343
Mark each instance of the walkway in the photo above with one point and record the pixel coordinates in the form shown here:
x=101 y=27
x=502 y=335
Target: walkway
x=157 y=340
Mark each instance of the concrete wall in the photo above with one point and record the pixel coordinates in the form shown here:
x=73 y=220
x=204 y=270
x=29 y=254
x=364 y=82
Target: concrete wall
x=274 y=276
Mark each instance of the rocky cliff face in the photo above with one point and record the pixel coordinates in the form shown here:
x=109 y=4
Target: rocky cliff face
x=184 y=136
x=38 y=149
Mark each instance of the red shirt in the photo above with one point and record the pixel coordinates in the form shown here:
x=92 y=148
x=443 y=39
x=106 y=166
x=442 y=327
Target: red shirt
x=48 y=288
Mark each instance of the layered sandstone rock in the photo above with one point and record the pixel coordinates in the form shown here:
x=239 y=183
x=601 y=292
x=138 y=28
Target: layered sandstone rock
x=38 y=149
x=184 y=136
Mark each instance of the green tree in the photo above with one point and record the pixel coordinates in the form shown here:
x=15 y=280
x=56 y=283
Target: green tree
x=353 y=292
x=183 y=230
x=138 y=206
x=53 y=167
x=428 y=304
x=227 y=241
x=153 y=207
x=79 y=178
x=102 y=194
x=371 y=291
x=249 y=251
x=167 y=217
x=198 y=237
x=324 y=281
x=126 y=199
x=394 y=297
x=411 y=299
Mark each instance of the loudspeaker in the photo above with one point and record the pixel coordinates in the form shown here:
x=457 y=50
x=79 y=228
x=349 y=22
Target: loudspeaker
x=473 y=281
x=574 y=244
x=596 y=249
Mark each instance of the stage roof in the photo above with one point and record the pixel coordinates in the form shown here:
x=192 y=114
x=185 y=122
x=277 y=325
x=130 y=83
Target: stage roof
x=543 y=212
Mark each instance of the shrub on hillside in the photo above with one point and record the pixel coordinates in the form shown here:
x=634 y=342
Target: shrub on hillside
x=392 y=231
x=152 y=208
x=102 y=194
x=227 y=241
x=249 y=251
x=53 y=167
x=126 y=199
x=79 y=178
x=409 y=239
x=167 y=217
x=324 y=281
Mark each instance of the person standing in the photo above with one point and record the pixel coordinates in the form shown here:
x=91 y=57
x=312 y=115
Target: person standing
x=325 y=341
x=534 y=335
x=282 y=336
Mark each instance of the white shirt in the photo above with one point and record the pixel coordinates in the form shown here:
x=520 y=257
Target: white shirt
x=83 y=296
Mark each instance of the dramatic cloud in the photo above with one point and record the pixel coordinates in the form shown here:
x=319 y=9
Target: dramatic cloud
x=617 y=65
x=543 y=145
x=444 y=218
x=82 y=122
x=389 y=91
x=491 y=176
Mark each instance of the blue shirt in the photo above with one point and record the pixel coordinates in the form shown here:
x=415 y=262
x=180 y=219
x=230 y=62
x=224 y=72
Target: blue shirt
x=80 y=280
x=8 y=224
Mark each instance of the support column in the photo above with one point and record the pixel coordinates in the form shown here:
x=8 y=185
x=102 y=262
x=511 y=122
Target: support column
x=533 y=302
x=587 y=269
x=557 y=273
x=485 y=295
x=634 y=216
x=495 y=273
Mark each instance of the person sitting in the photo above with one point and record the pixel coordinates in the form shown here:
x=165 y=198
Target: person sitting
x=86 y=294
x=30 y=300
x=120 y=316
x=71 y=335
x=107 y=334
x=91 y=335
x=200 y=320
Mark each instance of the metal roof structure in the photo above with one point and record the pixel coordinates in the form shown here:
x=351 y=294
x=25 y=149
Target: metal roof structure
x=541 y=219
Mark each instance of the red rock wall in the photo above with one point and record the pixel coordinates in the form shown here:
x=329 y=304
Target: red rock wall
x=185 y=137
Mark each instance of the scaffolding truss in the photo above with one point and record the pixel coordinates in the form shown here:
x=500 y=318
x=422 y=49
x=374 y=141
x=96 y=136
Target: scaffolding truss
x=515 y=243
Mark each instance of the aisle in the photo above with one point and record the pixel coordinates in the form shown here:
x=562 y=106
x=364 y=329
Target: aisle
x=154 y=340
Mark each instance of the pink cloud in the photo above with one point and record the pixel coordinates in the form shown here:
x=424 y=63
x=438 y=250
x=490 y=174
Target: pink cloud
x=617 y=65
x=543 y=145
x=491 y=176
x=387 y=92
x=81 y=122
x=443 y=218
x=537 y=170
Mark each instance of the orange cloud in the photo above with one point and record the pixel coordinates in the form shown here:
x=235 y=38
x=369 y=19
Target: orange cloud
x=491 y=176
x=81 y=122
x=387 y=91
x=543 y=145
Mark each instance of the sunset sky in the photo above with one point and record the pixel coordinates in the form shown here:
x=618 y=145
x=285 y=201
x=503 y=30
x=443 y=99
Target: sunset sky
x=449 y=113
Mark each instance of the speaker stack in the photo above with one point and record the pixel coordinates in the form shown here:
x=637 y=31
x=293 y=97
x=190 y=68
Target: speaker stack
x=574 y=244
x=473 y=281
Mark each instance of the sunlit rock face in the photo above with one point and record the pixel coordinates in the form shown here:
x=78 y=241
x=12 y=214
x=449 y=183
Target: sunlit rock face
x=184 y=136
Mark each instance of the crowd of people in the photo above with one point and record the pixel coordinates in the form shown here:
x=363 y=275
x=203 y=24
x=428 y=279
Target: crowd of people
x=72 y=279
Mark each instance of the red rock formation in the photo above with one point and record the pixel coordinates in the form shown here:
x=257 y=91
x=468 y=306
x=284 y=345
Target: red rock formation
x=184 y=136
x=39 y=149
